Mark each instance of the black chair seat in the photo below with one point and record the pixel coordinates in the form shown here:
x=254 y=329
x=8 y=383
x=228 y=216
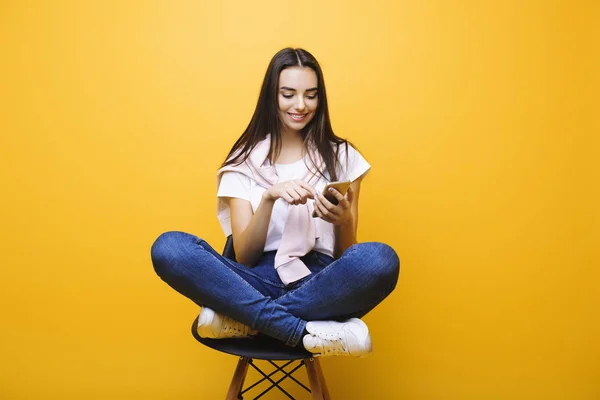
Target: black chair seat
x=265 y=348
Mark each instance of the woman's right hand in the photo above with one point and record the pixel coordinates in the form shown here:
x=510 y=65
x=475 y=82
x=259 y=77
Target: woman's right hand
x=294 y=192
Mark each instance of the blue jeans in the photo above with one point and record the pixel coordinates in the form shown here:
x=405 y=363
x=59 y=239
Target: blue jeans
x=339 y=289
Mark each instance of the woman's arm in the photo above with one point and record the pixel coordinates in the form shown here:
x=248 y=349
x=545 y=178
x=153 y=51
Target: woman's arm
x=250 y=229
x=344 y=216
x=345 y=233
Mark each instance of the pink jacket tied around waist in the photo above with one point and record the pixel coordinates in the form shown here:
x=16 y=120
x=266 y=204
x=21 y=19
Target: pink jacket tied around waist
x=299 y=234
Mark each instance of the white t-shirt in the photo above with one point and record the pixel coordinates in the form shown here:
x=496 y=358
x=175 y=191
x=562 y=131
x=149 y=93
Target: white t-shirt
x=237 y=185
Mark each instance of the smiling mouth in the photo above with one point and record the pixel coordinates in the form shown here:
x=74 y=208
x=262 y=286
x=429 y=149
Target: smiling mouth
x=297 y=117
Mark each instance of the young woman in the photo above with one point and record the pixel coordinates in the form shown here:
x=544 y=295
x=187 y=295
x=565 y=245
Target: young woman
x=299 y=276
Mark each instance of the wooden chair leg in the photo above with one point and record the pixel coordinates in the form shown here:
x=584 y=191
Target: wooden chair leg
x=316 y=379
x=321 y=377
x=238 y=379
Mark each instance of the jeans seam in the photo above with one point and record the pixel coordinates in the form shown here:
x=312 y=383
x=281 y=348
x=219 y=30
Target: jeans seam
x=297 y=336
x=245 y=283
x=247 y=270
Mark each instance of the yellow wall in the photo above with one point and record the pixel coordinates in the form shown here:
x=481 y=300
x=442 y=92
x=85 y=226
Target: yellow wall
x=476 y=117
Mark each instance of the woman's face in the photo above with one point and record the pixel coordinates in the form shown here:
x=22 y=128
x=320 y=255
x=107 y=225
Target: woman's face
x=297 y=97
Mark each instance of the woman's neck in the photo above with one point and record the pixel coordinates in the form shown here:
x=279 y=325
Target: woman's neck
x=292 y=147
x=289 y=137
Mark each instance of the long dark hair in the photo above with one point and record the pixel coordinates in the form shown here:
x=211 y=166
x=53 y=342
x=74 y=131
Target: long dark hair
x=317 y=132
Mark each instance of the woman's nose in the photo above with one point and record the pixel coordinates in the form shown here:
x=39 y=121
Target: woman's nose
x=300 y=104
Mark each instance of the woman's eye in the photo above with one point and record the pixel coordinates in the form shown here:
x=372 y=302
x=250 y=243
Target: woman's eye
x=289 y=96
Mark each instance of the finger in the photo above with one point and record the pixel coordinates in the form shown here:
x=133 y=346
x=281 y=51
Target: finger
x=322 y=212
x=293 y=194
x=327 y=215
x=343 y=205
x=317 y=210
x=327 y=219
x=301 y=193
x=336 y=193
x=331 y=208
x=287 y=198
x=310 y=189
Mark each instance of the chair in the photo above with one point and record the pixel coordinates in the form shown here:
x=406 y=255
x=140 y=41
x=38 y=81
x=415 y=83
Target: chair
x=266 y=349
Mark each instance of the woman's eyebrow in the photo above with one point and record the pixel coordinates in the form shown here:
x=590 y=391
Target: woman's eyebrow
x=293 y=90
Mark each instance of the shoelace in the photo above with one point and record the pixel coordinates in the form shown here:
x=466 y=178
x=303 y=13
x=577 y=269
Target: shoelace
x=327 y=335
x=232 y=328
x=331 y=347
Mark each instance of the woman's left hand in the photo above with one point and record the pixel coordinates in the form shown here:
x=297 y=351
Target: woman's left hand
x=339 y=214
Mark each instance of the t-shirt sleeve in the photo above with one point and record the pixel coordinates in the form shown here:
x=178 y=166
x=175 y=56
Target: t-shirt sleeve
x=234 y=184
x=352 y=164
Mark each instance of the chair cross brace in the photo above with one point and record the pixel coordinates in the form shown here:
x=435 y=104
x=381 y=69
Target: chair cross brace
x=279 y=368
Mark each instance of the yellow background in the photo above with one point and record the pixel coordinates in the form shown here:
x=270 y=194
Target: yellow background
x=477 y=118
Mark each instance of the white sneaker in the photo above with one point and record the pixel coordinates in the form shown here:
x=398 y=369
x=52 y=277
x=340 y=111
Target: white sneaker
x=331 y=338
x=213 y=325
